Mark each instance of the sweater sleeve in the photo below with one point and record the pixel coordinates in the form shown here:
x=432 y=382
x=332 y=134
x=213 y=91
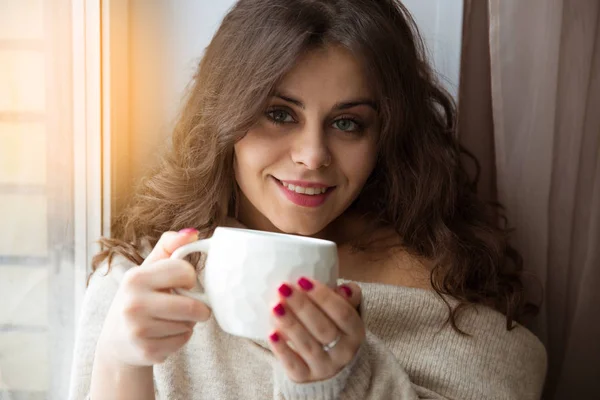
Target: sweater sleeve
x=374 y=374
x=96 y=303
x=409 y=353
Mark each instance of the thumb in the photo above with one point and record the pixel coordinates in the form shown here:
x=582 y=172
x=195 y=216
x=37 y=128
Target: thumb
x=351 y=292
x=169 y=242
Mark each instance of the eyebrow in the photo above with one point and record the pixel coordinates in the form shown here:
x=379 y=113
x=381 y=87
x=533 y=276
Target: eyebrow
x=337 y=107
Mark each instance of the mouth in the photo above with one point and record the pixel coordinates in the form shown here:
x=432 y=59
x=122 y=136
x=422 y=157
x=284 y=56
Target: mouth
x=305 y=188
x=305 y=194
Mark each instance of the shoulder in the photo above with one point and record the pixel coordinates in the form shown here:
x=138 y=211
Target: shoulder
x=512 y=361
x=99 y=294
x=104 y=282
x=420 y=310
x=517 y=349
x=489 y=359
x=110 y=273
x=391 y=265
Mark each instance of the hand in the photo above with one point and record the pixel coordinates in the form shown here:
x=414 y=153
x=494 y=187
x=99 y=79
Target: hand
x=146 y=322
x=309 y=316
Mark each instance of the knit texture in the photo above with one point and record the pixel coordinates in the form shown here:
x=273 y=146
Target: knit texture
x=409 y=353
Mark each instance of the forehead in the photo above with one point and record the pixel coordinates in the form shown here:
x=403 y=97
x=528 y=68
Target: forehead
x=330 y=72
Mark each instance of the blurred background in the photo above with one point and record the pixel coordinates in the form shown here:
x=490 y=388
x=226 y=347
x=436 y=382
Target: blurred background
x=90 y=89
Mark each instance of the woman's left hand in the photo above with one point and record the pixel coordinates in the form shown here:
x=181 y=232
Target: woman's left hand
x=321 y=325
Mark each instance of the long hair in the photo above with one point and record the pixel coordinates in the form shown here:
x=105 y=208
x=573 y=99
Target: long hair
x=419 y=186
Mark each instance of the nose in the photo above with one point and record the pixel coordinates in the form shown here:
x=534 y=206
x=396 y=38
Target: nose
x=310 y=149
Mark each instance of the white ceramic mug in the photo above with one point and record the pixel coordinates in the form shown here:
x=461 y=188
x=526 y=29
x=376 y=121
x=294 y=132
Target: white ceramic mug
x=244 y=268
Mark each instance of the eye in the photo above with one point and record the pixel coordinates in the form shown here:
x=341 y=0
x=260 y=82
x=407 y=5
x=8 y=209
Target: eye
x=279 y=116
x=347 y=125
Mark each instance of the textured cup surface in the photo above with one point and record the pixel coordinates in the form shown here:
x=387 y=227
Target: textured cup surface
x=244 y=268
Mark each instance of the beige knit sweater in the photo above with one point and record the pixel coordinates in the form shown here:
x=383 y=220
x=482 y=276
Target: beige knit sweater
x=409 y=354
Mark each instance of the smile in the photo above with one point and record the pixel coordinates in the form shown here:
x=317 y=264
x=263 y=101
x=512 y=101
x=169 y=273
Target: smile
x=311 y=191
x=305 y=194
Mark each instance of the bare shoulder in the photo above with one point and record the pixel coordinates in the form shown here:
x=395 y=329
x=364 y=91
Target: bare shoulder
x=386 y=261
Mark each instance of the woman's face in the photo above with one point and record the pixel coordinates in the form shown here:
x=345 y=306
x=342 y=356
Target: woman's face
x=308 y=157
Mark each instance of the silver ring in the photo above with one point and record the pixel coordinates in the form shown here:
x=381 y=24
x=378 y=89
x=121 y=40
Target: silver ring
x=333 y=343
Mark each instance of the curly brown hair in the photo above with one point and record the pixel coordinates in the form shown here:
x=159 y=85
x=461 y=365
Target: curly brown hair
x=419 y=186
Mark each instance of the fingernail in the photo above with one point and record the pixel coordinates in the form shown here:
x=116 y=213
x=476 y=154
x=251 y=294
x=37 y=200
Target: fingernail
x=346 y=290
x=189 y=231
x=279 y=310
x=305 y=284
x=274 y=337
x=285 y=290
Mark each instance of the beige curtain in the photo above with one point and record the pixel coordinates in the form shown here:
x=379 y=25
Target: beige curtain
x=530 y=110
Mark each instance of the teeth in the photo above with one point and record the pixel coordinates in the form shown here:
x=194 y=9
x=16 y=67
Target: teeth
x=304 y=190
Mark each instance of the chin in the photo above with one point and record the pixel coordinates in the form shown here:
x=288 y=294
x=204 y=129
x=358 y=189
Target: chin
x=298 y=228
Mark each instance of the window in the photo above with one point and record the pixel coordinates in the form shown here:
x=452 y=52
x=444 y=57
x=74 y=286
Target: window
x=50 y=187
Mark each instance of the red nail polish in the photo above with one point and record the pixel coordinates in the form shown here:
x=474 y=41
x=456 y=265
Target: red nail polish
x=279 y=310
x=285 y=290
x=305 y=284
x=346 y=290
x=188 y=231
x=274 y=337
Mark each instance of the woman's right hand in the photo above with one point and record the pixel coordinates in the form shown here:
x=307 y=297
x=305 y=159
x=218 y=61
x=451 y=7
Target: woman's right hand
x=146 y=321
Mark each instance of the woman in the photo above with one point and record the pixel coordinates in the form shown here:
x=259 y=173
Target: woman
x=316 y=118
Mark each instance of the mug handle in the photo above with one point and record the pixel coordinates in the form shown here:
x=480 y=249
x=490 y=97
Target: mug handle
x=200 y=246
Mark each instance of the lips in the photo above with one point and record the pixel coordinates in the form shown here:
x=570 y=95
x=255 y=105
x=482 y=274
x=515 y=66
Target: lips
x=311 y=191
x=305 y=194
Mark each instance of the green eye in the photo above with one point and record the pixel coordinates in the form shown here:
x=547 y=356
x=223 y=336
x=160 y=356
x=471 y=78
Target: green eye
x=279 y=116
x=346 y=125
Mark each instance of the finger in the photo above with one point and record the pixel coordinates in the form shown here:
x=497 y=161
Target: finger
x=158 y=328
x=312 y=317
x=351 y=292
x=294 y=366
x=304 y=343
x=179 y=308
x=169 y=242
x=335 y=307
x=162 y=274
x=167 y=306
x=159 y=349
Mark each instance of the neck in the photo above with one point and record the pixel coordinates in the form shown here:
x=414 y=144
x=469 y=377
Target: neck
x=250 y=217
x=344 y=229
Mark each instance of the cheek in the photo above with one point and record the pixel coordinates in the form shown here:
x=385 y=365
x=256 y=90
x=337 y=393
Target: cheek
x=253 y=154
x=358 y=163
